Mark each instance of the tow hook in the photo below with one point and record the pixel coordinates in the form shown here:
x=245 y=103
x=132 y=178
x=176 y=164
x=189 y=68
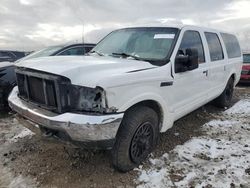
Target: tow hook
x=48 y=134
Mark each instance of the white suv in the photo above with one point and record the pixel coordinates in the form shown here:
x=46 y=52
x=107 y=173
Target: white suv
x=133 y=85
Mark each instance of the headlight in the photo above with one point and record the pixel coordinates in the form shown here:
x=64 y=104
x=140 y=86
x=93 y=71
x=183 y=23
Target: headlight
x=85 y=99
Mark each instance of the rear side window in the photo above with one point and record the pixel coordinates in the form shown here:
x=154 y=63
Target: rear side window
x=192 y=39
x=214 y=45
x=232 y=45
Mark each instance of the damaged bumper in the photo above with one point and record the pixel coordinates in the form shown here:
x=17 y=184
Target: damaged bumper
x=77 y=127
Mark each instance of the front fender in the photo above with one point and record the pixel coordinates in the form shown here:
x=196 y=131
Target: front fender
x=124 y=98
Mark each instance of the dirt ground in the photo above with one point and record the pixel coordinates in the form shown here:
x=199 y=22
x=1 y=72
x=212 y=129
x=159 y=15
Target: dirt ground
x=32 y=161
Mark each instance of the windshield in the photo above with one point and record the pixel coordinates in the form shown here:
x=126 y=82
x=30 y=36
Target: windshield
x=246 y=58
x=43 y=53
x=138 y=43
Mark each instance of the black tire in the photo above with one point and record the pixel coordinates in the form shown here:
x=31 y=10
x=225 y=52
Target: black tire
x=136 y=138
x=1 y=99
x=225 y=99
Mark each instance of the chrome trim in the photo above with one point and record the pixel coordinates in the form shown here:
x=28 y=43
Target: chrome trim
x=79 y=127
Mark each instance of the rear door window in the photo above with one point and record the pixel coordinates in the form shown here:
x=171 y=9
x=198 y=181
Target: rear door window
x=214 y=45
x=232 y=45
x=192 y=39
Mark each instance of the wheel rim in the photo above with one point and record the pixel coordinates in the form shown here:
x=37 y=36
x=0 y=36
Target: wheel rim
x=141 y=143
x=229 y=92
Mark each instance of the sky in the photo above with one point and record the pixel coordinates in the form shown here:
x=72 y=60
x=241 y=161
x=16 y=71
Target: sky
x=33 y=24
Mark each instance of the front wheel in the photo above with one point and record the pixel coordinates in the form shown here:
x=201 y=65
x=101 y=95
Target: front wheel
x=225 y=99
x=136 y=138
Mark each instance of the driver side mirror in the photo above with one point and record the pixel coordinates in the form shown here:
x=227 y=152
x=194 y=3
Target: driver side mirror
x=188 y=61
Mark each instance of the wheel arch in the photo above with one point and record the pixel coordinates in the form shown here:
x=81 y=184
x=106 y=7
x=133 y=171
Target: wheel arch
x=153 y=105
x=156 y=102
x=233 y=76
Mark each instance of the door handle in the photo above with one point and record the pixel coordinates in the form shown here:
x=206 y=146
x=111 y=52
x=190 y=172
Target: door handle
x=205 y=72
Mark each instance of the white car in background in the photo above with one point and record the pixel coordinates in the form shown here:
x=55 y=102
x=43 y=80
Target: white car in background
x=133 y=85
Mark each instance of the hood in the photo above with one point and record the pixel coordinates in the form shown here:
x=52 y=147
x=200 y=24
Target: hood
x=85 y=70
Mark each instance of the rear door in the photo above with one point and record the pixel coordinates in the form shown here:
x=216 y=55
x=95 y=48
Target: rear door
x=233 y=54
x=190 y=87
x=217 y=62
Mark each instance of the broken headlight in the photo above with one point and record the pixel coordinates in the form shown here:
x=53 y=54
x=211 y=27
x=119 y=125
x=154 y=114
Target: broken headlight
x=85 y=99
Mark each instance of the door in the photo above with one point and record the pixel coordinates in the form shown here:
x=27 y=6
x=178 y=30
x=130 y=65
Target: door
x=217 y=62
x=189 y=90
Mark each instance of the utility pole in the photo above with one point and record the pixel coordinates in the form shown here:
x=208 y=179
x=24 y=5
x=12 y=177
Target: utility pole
x=83 y=33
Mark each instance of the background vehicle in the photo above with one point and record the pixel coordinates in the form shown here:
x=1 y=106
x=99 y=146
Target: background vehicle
x=7 y=73
x=133 y=85
x=61 y=50
x=245 y=73
x=7 y=82
x=10 y=56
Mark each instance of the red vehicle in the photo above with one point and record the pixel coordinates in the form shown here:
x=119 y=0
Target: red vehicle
x=245 y=73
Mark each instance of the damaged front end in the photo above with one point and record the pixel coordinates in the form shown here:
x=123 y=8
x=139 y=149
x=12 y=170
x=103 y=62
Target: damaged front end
x=70 y=112
x=57 y=94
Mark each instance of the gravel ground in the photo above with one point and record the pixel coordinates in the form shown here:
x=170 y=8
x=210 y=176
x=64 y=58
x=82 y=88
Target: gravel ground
x=28 y=160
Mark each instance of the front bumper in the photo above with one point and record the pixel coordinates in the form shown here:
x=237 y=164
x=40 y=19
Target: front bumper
x=79 y=127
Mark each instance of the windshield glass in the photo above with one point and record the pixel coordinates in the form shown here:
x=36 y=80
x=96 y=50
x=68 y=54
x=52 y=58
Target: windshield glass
x=138 y=43
x=43 y=53
x=246 y=58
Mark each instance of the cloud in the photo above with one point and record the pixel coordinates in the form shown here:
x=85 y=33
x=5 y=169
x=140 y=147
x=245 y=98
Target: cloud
x=32 y=24
x=25 y=2
x=234 y=11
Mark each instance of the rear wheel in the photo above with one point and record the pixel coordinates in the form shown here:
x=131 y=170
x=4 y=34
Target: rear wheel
x=136 y=138
x=225 y=99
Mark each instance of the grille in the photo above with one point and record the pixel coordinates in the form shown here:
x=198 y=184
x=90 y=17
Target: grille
x=38 y=90
x=45 y=90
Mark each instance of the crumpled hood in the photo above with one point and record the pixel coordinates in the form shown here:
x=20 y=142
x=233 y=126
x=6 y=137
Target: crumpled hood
x=85 y=70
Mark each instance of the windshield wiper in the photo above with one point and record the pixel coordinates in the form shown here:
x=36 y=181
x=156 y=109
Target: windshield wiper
x=96 y=52
x=127 y=55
